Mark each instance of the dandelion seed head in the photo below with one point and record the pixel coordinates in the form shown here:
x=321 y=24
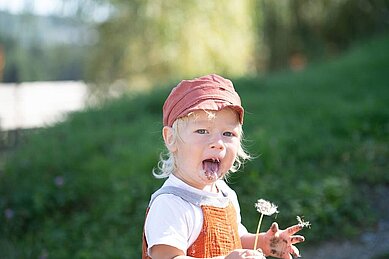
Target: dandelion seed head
x=303 y=223
x=266 y=207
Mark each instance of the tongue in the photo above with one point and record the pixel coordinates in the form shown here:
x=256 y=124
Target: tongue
x=211 y=168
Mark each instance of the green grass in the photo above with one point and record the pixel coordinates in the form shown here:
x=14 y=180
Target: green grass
x=79 y=189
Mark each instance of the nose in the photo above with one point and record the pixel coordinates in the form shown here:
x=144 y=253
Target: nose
x=217 y=143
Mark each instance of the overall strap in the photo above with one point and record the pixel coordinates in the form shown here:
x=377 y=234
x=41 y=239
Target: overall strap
x=192 y=197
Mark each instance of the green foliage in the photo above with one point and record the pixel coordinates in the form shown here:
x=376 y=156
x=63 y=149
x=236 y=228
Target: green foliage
x=148 y=42
x=293 y=33
x=320 y=135
x=39 y=63
x=35 y=54
x=314 y=30
x=145 y=42
x=79 y=189
x=85 y=191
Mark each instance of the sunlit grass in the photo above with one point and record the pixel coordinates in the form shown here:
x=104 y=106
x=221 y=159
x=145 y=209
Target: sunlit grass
x=320 y=137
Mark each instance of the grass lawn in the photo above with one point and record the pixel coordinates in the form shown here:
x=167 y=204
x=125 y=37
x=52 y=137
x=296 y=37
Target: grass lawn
x=320 y=138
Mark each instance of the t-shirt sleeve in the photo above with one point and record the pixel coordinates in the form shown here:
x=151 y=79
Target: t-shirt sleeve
x=167 y=222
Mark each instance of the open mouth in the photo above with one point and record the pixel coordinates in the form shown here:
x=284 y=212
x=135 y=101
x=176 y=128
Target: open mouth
x=211 y=168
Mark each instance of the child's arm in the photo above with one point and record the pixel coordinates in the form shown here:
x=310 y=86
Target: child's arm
x=170 y=252
x=276 y=242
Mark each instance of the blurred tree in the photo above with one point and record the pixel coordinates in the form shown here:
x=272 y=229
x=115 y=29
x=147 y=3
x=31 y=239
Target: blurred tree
x=146 y=42
x=42 y=48
x=353 y=20
x=292 y=32
x=2 y=62
x=142 y=43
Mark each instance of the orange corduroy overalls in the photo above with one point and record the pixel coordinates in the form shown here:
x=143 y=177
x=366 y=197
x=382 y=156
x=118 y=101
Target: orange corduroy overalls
x=219 y=233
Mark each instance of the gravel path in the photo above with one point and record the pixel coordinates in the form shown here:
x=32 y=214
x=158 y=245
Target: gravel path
x=370 y=245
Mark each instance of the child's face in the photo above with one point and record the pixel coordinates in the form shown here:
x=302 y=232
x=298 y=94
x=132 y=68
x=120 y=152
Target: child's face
x=206 y=147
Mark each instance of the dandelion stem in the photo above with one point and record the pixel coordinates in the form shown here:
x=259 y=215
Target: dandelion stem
x=256 y=236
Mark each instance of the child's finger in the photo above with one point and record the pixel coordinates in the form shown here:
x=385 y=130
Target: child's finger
x=296 y=239
x=295 y=252
x=274 y=227
x=293 y=229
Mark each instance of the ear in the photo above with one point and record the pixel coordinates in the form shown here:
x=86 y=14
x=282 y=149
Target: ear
x=168 y=137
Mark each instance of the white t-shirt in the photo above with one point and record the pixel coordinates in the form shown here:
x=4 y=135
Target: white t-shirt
x=176 y=222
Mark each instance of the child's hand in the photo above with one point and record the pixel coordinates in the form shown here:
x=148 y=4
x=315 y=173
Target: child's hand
x=280 y=243
x=245 y=254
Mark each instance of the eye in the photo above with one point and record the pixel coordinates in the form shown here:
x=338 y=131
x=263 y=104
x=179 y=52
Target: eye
x=201 y=131
x=229 y=134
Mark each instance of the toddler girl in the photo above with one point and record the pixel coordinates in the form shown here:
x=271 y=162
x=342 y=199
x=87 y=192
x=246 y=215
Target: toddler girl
x=195 y=214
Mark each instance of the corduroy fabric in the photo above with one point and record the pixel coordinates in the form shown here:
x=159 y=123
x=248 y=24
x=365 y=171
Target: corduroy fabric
x=211 y=92
x=219 y=234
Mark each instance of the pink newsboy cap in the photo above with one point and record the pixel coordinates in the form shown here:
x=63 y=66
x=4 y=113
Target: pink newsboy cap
x=211 y=92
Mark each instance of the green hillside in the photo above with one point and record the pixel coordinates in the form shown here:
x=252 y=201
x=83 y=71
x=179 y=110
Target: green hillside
x=320 y=138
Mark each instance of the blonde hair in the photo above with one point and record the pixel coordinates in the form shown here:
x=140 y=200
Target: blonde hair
x=167 y=161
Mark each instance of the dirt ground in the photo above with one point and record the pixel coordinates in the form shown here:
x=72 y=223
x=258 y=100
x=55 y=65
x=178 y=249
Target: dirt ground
x=371 y=245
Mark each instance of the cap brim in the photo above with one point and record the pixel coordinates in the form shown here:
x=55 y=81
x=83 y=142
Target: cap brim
x=215 y=105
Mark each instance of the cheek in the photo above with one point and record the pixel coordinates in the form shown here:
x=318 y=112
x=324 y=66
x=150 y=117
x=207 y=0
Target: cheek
x=234 y=146
x=232 y=152
x=187 y=152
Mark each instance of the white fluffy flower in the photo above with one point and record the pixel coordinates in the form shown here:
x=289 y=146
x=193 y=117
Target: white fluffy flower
x=266 y=207
x=303 y=223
